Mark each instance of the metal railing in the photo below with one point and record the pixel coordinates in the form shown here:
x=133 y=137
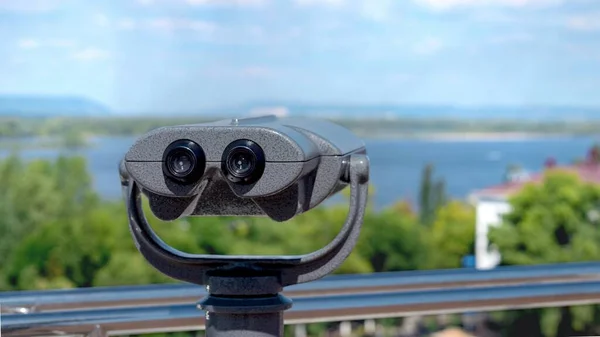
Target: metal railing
x=162 y=294
x=170 y=308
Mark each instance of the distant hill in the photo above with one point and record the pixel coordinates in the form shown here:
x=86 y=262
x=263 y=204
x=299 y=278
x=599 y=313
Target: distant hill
x=72 y=106
x=49 y=106
x=530 y=113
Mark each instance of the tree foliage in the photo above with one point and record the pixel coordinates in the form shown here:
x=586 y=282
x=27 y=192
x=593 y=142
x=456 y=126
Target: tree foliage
x=452 y=236
x=432 y=195
x=55 y=232
x=552 y=222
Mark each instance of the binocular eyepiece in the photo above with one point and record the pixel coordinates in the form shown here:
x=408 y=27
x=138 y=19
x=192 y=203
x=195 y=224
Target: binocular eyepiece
x=184 y=161
x=243 y=161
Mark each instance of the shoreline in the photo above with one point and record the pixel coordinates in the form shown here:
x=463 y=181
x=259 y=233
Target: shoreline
x=92 y=139
x=479 y=136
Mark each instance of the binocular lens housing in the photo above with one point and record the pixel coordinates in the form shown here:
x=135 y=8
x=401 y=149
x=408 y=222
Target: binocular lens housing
x=243 y=162
x=184 y=161
x=271 y=166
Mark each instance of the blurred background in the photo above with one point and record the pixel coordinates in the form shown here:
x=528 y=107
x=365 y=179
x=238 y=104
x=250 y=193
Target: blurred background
x=477 y=114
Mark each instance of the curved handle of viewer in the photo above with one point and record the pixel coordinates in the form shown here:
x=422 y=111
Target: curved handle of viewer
x=193 y=268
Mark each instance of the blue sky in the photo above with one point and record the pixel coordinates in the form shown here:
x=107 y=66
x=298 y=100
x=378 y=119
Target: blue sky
x=170 y=55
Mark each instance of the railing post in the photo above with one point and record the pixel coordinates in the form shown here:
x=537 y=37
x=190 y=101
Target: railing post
x=370 y=327
x=346 y=329
x=443 y=320
x=300 y=330
x=409 y=326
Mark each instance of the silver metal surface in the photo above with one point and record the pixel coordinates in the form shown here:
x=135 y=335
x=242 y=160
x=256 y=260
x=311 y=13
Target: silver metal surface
x=187 y=317
x=150 y=295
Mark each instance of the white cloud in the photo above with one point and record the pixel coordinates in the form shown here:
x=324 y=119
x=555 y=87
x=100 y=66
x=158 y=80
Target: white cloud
x=584 y=22
x=30 y=5
x=167 y=25
x=449 y=4
x=493 y=16
x=232 y=71
x=60 y=43
x=241 y=3
x=30 y=43
x=257 y=71
x=174 y=24
x=101 y=20
x=319 y=2
x=234 y=3
x=279 y=111
x=127 y=24
x=429 y=46
x=91 y=53
x=375 y=10
x=512 y=38
x=380 y=10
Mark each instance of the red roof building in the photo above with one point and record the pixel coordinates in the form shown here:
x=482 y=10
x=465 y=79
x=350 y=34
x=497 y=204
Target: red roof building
x=587 y=172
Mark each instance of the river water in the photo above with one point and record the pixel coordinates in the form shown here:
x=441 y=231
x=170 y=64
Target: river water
x=396 y=165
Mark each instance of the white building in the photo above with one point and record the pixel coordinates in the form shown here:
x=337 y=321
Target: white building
x=489 y=211
x=490 y=204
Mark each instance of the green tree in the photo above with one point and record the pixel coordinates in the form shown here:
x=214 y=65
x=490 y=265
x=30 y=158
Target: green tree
x=39 y=192
x=552 y=222
x=74 y=139
x=10 y=127
x=128 y=268
x=594 y=154
x=69 y=249
x=452 y=235
x=432 y=195
x=393 y=240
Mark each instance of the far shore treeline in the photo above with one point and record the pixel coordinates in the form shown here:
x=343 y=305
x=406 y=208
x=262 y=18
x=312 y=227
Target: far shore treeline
x=56 y=232
x=82 y=127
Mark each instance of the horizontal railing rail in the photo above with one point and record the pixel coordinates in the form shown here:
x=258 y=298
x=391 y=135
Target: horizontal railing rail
x=330 y=308
x=171 y=294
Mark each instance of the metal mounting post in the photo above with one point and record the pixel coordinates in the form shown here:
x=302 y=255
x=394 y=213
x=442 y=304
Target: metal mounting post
x=244 y=291
x=255 y=310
